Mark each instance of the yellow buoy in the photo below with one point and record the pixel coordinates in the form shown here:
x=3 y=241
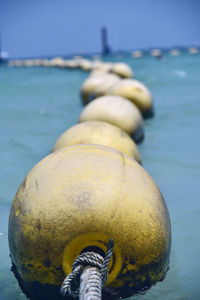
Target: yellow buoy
x=174 y=52
x=117 y=111
x=121 y=69
x=101 y=133
x=156 y=52
x=137 y=54
x=102 y=66
x=76 y=199
x=98 y=85
x=136 y=92
x=58 y=62
x=85 y=64
x=98 y=72
x=193 y=50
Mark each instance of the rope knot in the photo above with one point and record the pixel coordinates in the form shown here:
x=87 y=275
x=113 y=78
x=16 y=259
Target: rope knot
x=71 y=283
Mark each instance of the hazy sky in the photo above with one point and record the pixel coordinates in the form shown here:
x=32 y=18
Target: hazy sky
x=57 y=27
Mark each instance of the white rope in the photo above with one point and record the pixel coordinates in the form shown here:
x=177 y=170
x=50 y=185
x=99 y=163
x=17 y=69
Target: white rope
x=90 y=284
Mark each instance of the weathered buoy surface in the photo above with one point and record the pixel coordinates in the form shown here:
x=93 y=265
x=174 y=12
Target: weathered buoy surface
x=121 y=69
x=75 y=199
x=100 y=133
x=117 y=111
x=98 y=85
x=136 y=92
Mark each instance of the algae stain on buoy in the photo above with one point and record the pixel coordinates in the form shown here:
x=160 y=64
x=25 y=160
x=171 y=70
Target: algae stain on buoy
x=100 y=133
x=78 y=198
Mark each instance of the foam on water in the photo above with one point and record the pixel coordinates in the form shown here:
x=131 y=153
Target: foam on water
x=38 y=104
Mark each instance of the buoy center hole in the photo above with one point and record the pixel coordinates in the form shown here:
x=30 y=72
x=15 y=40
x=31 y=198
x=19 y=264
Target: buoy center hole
x=94 y=249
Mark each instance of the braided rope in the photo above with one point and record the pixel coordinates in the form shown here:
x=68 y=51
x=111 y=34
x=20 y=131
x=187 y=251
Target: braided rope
x=90 y=284
x=71 y=283
x=104 y=268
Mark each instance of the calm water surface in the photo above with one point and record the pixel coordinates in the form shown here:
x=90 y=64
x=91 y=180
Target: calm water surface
x=38 y=104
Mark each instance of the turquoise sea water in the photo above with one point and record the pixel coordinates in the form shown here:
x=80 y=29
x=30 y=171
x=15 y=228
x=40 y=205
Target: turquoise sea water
x=38 y=104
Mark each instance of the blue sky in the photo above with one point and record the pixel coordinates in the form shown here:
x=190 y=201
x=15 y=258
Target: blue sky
x=58 y=27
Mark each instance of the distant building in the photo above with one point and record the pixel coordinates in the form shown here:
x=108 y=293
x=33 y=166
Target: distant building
x=104 y=37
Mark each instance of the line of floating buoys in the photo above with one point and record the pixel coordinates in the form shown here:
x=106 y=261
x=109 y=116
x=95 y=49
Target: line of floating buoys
x=88 y=190
x=78 y=62
x=158 y=53
x=102 y=83
x=120 y=69
x=59 y=62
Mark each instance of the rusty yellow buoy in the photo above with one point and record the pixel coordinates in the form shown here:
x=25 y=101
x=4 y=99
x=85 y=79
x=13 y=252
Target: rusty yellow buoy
x=117 y=111
x=136 y=92
x=97 y=85
x=102 y=66
x=100 y=133
x=76 y=199
x=121 y=69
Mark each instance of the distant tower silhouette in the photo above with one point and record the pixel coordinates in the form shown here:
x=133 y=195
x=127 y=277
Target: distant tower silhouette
x=104 y=37
x=1 y=60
